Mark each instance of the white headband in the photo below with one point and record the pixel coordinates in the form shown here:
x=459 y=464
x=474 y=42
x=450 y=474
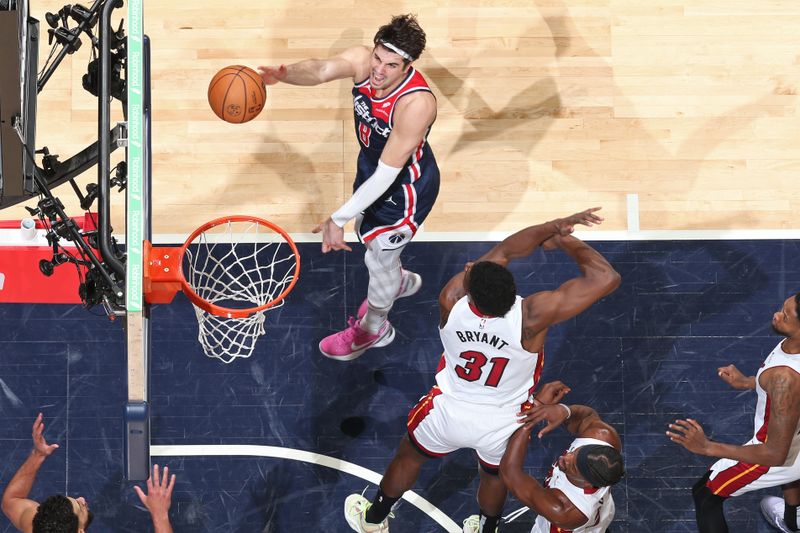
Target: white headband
x=396 y=50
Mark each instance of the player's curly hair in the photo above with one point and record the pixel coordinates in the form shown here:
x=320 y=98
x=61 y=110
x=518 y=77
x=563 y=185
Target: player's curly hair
x=600 y=465
x=55 y=515
x=405 y=33
x=492 y=288
x=797 y=301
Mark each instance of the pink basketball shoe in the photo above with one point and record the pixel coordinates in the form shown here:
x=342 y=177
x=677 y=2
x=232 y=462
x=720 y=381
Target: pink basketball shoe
x=351 y=342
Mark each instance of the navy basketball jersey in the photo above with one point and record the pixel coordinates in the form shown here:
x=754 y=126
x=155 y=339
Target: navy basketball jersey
x=410 y=198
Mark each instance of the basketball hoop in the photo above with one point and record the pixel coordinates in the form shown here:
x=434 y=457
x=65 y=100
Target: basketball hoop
x=233 y=270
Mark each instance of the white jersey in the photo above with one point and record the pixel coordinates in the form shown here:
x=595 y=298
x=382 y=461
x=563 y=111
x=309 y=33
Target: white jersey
x=484 y=361
x=596 y=504
x=734 y=478
x=775 y=359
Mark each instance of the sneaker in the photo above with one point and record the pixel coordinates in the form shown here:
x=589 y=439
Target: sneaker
x=355 y=508
x=472 y=524
x=772 y=509
x=351 y=342
x=410 y=283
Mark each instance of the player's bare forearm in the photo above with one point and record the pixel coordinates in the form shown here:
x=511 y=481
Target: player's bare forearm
x=521 y=244
x=517 y=481
x=524 y=242
x=161 y=524
x=592 y=264
x=734 y=377
x=526 y=489
x=22 y=482
x=757 y=454
x=15 y=504
x=691 y=435
x=585 y=422
x=749 y=383
x=580 y=414
x=307 y=73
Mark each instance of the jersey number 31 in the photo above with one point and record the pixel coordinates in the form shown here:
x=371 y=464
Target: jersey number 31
x=473 y=368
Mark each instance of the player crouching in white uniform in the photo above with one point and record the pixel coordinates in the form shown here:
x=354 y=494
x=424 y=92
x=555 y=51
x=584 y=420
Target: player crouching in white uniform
x=576 y=496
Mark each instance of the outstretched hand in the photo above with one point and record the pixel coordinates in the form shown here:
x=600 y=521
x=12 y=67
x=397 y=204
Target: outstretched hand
x=158 y=498
x=272 y=75
x=554 y=415
x=567 y=225
x=689 y=434
x=40 y=445
x=332 y=237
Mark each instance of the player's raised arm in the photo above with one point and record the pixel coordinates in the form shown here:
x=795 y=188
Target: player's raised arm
x=552 y=504
x=352 y=63
x=524 y=242
x=580 y=420
x=520 y=244
x=598 y=279
x=16 y=505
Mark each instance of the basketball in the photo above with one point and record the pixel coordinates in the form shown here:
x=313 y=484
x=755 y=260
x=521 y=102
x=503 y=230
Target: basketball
x=237 y=94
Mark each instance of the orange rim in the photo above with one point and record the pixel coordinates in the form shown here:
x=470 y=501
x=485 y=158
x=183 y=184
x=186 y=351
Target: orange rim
x=228 y=312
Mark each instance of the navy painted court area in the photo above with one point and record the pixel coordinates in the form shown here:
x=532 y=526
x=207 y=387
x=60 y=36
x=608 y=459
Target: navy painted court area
x=642 y=357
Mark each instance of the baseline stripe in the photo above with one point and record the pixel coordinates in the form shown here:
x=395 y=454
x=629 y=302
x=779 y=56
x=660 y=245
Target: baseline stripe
x=200 y=450
x=497 y=236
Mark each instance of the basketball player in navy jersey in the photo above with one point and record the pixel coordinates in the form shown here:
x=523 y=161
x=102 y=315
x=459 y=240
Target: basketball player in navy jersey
x=397 y=180
x=493 y=342
x=576 y=496
x=772 y=456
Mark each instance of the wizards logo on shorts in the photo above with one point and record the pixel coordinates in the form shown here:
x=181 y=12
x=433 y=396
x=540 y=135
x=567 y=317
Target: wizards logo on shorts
x=396 y=238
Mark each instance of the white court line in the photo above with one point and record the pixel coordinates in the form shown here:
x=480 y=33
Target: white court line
x=632 y=201
x=10 y=237
x=588 y=235
x=199 y=450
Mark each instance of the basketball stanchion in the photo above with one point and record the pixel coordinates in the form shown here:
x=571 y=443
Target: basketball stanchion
x=233 y=269
x=137 y=225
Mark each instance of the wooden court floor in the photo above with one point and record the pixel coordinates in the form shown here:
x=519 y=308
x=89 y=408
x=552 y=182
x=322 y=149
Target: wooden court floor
x=545 y=107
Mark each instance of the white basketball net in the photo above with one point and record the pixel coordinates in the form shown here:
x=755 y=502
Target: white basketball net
x=237 y=265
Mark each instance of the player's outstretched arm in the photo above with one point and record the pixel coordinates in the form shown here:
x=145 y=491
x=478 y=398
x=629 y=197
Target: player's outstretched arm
x=524 y=242
x=352 y=63
x=520 y=244
x=158 y=498
x=580 y=420
x=733 y=377
x=550 y=503
x=783 y=388
x=16 y=506
x=598 y=279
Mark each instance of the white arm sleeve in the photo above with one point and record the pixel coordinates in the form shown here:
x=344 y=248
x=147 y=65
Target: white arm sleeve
x=366 y=194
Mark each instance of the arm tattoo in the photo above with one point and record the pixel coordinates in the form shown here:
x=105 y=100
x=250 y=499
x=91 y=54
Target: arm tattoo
x=784 y=410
